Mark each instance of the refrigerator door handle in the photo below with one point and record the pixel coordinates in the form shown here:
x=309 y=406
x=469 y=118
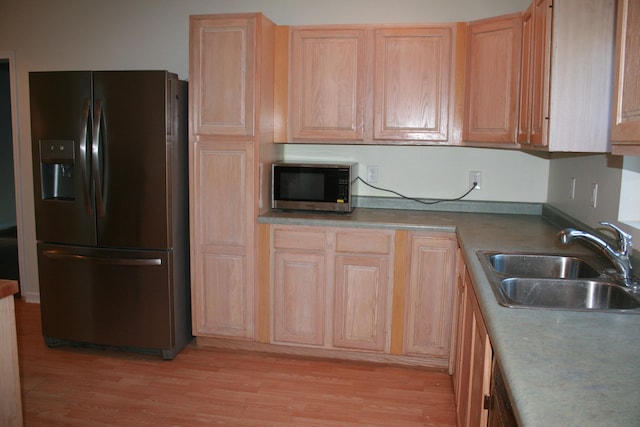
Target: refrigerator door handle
x=83 y=156
x=56 y=254
x=96 y=169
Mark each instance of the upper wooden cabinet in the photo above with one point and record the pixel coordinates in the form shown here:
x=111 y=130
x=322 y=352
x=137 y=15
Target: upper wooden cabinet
x=222 y=74
x=567 y=74
x=328 y=83
x=414 y=70
x=364 y=84
x=625 y=123
x=492 y=80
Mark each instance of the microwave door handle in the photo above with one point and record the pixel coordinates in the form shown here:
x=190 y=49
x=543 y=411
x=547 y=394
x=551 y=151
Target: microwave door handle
x=86 y=109
x=96 y=168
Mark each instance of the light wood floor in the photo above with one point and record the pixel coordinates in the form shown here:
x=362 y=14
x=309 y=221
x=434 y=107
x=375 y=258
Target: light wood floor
x=81 y=387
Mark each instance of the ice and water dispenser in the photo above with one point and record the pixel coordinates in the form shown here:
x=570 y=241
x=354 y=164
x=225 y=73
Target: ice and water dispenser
x=57 y=163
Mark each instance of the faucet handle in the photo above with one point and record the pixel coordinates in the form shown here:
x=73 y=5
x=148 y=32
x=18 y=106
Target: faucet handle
x=624 y=239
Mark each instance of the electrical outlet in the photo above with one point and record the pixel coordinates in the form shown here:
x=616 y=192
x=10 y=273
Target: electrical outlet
x=572 y=188
x=372 y=174
x=475 y=177
x=594 y=195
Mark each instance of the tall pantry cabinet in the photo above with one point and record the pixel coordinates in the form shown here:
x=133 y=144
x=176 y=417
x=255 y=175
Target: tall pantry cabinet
x=230 y=152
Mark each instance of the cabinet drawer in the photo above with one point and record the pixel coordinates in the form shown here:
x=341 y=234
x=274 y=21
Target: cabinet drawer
x=304 y=239
x=364 y=242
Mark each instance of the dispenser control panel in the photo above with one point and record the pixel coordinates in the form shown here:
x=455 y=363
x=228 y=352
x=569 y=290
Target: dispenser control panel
x=56 y=151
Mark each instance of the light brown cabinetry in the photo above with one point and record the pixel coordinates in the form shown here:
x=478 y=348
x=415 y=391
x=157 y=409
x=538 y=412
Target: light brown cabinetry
x=328 y=83
x=414 y=70
x=331 y=287
x=457 y=361
x=567 y=73
x=429 y=295
x=526 y=70
x=539 y=52
x=221 y=97
x=625 y=122
x=231 y=98
x=299 y=285
x=10 y=400
x=362 y=285
x=492 y=79
x=474 y=354
x=370 y=85
x=383 y=293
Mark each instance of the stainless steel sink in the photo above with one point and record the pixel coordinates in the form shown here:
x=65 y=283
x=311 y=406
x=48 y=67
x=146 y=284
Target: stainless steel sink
x=543 y=266
x=568 y=294
x=556 y=281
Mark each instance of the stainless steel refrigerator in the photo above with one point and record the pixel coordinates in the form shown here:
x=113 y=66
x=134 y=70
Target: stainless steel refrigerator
x=111 y=203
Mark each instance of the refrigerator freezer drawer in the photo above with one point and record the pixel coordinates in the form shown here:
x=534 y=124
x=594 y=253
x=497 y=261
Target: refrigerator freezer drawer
x=107 y=297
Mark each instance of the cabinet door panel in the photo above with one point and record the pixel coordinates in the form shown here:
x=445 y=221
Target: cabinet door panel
x=465 y=355
x=299 y=298
x=412 y=84
x=626 y=107
x=526 y=69
x=222 y=289
x=328 y=83
x=480 y=369
x=223 y=303
x=223 y=74
x=361 y=286
x=459 y=345
x=222 y=181
x=429 y=298
x=541 y=57
x=493 y=77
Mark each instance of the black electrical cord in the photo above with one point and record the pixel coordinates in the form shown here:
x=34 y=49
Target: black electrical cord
x=418 y=200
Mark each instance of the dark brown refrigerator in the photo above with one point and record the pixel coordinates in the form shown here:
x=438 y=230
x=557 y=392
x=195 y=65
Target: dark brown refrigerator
x=111 y=202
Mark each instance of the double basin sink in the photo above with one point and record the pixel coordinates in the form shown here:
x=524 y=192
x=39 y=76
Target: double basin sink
x=565 y=282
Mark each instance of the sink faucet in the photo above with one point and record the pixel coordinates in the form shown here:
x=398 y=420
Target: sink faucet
x=620 y=257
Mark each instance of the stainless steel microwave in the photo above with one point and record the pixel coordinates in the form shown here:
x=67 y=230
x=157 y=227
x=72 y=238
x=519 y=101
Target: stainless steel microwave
x=312 y=186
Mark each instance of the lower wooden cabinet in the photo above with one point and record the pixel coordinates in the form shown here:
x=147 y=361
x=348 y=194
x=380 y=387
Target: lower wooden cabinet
x=331 y=287
x=299 y=295
x=361 y=302
x=429 y=295
x=387 y=293
x=474 y=354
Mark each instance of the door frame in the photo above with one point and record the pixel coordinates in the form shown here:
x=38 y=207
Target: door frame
x=10 y=56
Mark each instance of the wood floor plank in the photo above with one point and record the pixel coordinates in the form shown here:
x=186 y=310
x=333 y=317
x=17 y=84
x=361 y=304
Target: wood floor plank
x=69 y=386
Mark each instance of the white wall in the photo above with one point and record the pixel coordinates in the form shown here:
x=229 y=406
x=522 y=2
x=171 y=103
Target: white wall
x=153 y=34
x=617 y=197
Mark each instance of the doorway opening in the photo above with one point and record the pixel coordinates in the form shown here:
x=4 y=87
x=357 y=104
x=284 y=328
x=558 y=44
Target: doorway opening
x=9 y=219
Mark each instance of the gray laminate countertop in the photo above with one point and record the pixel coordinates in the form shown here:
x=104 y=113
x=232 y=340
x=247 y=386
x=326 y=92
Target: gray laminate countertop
x=562 y=368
